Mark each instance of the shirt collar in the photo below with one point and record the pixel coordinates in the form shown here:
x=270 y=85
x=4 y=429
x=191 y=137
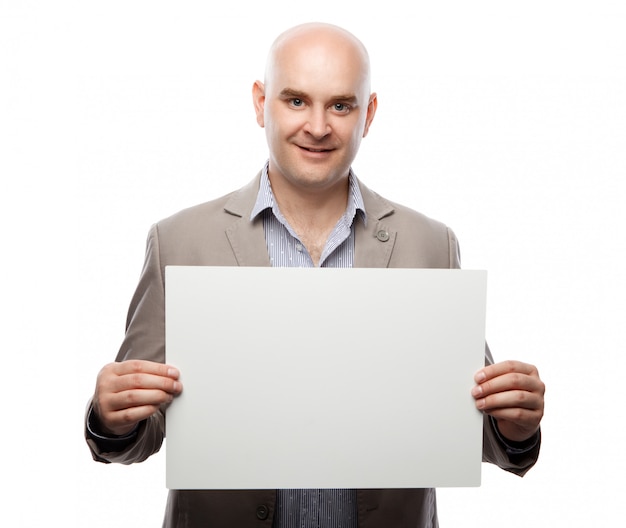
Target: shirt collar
x=265 y=198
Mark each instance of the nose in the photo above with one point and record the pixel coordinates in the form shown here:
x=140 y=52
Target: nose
x=317 y=123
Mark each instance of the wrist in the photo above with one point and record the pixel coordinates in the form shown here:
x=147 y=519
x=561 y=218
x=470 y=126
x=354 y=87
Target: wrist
x=100 y=431
x=519 y=444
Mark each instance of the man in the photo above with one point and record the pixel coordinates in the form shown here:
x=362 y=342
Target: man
x=306 y=208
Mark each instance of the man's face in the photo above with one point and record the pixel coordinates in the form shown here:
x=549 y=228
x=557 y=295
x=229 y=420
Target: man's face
x=316 y=108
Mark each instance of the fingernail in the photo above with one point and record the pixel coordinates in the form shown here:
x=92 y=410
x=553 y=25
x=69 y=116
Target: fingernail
x=479 y=377
x=173 y=373
x=480 y=403
x=477 y=390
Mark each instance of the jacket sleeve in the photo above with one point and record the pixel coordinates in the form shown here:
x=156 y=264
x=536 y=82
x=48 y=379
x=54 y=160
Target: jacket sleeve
x=144 y=339
x=516 y=457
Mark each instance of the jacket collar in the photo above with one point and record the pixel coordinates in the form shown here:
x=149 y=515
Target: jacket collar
x=374 y=242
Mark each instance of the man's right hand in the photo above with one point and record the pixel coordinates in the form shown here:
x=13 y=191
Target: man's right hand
x=132 y=391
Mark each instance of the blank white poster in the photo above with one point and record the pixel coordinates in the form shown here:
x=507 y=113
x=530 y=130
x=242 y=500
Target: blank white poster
x=324 y=378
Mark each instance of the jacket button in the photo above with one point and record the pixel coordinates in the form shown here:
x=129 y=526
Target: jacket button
x=382 y=235
x=262 y=512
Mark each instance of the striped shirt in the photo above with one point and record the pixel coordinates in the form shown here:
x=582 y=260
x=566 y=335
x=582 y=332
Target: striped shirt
x=311 y=508
x=283 y=245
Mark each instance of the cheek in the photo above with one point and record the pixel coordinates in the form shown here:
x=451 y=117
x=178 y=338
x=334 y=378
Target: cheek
x=271 y=124
x=355 y=136
x=351 y=130
x=284 y=128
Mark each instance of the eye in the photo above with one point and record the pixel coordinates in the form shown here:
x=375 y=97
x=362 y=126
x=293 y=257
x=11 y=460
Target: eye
x=297 y=102
x=341 y=108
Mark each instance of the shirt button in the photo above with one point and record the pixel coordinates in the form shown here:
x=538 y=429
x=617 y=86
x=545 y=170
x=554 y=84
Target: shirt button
x=262 y=512
x=382 y=235
x=299 y=248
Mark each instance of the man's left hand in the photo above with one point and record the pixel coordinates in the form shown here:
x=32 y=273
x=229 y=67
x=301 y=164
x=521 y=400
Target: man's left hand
x=512 y=393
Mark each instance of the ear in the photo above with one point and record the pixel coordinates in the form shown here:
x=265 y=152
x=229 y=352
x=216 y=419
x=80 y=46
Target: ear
x=258 y=99
x=371 y=112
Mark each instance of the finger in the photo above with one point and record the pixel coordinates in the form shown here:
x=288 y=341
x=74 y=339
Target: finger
x=120 y=412
x=135 y=381
x=512 y=399
x=516 y=422
x=135 y=398
x=123 y=421
x=505 y=367
x=139 y=366
x=138 y=374
x=513 y=381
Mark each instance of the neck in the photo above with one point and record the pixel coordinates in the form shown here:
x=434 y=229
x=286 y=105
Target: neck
x=311 y=212
x=310 y=204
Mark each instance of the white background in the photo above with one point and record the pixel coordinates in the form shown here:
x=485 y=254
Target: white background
x=505 y=120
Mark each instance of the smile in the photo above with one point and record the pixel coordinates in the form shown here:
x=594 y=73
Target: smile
x=316 y=150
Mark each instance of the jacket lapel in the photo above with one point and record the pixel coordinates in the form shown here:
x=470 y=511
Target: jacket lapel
x=374 y=242
x=246 y=238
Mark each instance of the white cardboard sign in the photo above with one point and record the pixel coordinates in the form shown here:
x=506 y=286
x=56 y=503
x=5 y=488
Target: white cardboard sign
x=324 y=378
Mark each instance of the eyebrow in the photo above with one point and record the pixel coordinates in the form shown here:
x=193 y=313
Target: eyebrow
x=288 y=92
x=345 y=98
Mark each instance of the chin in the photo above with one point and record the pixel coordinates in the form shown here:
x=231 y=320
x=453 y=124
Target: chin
x=321 y=180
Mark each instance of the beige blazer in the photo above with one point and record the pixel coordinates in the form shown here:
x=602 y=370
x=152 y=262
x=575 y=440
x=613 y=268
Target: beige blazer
x=219 y=233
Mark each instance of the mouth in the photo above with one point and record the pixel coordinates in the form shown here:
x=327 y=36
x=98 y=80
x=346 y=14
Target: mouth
x=315 y=150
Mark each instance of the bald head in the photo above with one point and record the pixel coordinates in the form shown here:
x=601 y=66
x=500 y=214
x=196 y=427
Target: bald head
x=319 y=40
x=315 y=106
